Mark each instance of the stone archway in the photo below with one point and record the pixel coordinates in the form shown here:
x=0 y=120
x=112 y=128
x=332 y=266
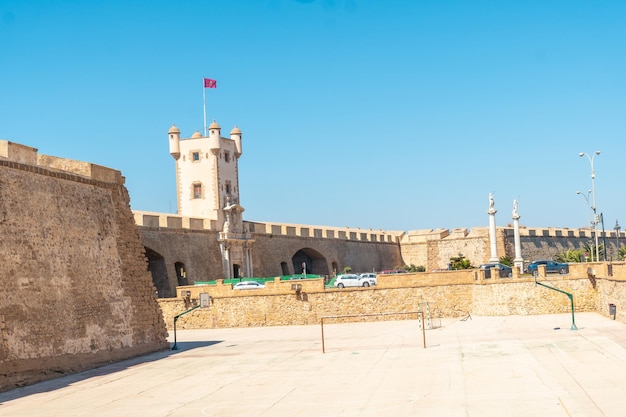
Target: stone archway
x=158 y=270
x=315 y=262
x=181 y=274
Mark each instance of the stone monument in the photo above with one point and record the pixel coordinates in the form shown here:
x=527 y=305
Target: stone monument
x=492 y=230
x=518 y=261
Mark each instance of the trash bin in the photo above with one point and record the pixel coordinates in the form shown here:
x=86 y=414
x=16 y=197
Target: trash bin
x=612 y=310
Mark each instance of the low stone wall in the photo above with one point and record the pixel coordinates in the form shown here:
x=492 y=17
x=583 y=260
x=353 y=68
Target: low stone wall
x=449 y=294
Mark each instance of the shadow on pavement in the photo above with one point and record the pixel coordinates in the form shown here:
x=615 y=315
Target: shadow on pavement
x=65 y=380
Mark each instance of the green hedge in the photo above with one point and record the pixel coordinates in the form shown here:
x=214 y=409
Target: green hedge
x=260 y=280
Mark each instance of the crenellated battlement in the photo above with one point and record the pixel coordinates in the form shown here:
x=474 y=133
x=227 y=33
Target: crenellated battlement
x=27 y=158
x=424 y=235
x=175 y=221
x=552 y=232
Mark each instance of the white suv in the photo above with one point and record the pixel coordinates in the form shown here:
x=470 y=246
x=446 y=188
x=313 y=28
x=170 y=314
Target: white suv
x=370 y=277
x=353 y=280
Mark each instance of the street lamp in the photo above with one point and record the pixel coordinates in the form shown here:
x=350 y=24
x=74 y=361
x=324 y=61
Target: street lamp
x=604 y=247
x=617 y=229
x=586 y=197
x=593 y=196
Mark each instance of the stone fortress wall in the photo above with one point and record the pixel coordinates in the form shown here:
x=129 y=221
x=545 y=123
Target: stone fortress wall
x=279 y=249
x=434 y=248
x=74 y=292
x=193 y=242
x=448 y=293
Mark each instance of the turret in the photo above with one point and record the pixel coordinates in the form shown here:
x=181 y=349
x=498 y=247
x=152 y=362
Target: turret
x=214 y=137
x=235 y=135
x=174 y=135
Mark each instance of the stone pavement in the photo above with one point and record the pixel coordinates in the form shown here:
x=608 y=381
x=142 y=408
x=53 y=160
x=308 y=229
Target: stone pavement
x=480 y=367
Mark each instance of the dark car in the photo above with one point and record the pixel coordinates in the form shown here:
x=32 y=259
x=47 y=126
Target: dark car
x=552 y=267
x=504 y=271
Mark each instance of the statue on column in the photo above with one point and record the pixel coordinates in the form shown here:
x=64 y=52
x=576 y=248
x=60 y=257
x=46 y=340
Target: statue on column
x=492 y=208
x=518 y=261
x=492 y=230
x=227 y=223
x=228 y=227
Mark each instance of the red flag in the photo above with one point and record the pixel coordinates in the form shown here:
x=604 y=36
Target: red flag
x=209 y=83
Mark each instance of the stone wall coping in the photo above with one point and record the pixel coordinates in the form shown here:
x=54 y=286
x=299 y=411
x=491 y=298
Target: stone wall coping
x=164 y=220
x=15 y=155
x=276 y=287
x=176 y=221
x=420 y=236
x=611 y=271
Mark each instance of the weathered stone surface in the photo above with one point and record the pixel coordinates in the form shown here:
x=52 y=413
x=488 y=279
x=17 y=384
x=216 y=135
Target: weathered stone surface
x=279 y=249
x=75 y=289
x=448 y=294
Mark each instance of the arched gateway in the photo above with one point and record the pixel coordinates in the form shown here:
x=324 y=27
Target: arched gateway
x=311 y=260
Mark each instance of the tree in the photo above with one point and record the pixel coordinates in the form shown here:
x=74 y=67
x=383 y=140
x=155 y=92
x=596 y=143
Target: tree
x=590 y=248
x=412 y=268
x=459 y=262
x=506 y=260
x=571 y=255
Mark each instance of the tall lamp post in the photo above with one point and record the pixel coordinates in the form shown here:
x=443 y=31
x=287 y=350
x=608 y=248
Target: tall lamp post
x=617 y=229
x=604 y=247
x=586 y=197
x=593 y=196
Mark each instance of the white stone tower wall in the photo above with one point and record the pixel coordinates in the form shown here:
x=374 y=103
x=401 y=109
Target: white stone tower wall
x=202 y=171
x=227 y=171
x=211 y=162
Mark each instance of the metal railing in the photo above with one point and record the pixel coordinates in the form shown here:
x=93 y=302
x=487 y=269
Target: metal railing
x=419 y=313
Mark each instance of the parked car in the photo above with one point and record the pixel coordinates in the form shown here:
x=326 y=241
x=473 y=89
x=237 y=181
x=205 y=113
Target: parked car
x=248 y=285
x=351 y=280
x=369 y=278
x=504 y=271
x=551 y=267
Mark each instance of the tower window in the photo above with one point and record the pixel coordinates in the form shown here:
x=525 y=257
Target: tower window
x=226 y=156
x=228 y=188
x=197 y=191
x=195 y=156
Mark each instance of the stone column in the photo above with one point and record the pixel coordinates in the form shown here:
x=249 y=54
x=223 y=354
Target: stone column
x=492 y=230
x=248 y=258
x=518 y=261
x=225 y=249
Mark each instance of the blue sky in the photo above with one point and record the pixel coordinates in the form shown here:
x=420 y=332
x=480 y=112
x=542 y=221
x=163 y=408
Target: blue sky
x=393 y=115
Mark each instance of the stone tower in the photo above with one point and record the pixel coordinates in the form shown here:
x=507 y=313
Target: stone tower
x=207 y=186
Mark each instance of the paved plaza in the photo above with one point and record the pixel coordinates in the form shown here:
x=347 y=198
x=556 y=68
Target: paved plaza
x=480 y=366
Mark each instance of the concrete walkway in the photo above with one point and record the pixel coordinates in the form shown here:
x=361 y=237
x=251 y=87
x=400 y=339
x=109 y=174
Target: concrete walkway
x=480 y=367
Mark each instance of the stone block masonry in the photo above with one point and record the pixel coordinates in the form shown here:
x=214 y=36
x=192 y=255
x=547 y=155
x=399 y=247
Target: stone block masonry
x=449 y=294
x=75 y=291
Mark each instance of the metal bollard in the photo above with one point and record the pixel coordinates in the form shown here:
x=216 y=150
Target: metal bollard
x=612 y=310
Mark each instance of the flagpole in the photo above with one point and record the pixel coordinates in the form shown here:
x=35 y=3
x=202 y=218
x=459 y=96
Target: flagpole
x=204 y=100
